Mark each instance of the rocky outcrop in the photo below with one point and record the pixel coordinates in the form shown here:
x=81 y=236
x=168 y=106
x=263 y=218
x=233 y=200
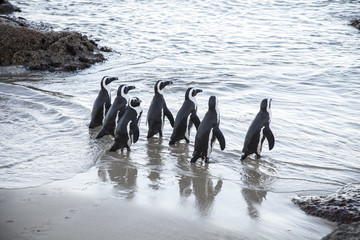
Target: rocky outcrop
x=355 y=23
x=39 y=49
x=345 y=232
x=341 y=207
x=6 y=7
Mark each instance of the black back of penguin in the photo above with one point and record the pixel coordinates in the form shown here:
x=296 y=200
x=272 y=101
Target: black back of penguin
x=186 y=117
x=207 y=132
x=102 y=102
x=259 y=130
x=127 y=130
x=158 y=110
x=116 y=110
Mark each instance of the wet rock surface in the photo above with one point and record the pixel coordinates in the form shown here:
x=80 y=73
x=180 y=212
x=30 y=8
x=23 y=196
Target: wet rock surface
x=345 y=231
x=355 y=23
x=341 y=207
x=24 y=44
x=6 y=7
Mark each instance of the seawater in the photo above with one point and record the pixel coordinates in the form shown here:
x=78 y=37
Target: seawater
x=302 y=54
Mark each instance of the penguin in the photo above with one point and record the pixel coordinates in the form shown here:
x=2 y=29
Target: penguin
x=116 y=110
x=208 y=132
x=158 y=110
x=258 y=130
x=102 y=102
x=127 y=130
x=186 y=117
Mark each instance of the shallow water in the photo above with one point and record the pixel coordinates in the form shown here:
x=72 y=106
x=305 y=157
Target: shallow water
x=302 y=54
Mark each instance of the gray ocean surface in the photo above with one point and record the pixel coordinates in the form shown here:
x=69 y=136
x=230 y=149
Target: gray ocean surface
x=302 y=54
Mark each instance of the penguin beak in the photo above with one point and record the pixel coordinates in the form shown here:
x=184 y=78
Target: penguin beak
x=113 y=79
x=110 y=79
x=196 y=91
x=164 y=84
x=130 y=88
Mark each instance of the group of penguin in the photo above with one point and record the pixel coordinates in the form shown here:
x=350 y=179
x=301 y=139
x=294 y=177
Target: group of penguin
x=122 y=118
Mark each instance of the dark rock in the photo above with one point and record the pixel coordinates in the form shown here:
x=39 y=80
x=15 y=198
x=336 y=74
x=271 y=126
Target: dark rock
x=341 y=207
x=7 y=8
x=38 y=49
x=355 y=23
x=105 y=49
x=345 y=231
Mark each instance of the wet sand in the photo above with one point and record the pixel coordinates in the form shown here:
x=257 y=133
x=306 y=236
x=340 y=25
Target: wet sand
x=81 y=209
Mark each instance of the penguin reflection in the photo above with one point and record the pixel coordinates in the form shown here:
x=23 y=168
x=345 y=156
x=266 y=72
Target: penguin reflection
x=121 y=172
x=182 y=153
x=154 y=150
x=204 y=189
x=255 y=186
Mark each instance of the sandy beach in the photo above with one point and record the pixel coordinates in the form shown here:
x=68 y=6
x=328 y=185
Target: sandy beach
x=81 y=209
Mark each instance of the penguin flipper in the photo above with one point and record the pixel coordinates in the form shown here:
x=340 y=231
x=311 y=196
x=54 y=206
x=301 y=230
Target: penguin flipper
x=220 y=137
x=269 y=136
x=169 y=116
x=195 y=119
x=138 y=120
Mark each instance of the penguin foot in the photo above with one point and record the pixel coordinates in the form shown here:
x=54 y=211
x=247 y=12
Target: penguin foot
x=115 y=147
x=100 y=134
x=94 y=125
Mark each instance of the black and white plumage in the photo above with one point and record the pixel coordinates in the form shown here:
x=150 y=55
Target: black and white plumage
x=116 y=110
x=102 y=102
x=208 y=132
x=258 y=131
x=127 y=130
x=158 y=110
x=186 y=117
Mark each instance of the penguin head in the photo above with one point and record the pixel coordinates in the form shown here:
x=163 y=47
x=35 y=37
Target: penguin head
x=265 y=105
x=135 y=102
x=105 y=81
x=160 y=85
x=213 y=103
x=123 y=90
x=191 y=93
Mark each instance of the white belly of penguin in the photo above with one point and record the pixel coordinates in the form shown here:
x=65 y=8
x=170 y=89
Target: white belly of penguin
x=187 y=130
x=162 y=119
x=130 y=136
x=104 y=113
x=259 y=146
x=210 y=144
